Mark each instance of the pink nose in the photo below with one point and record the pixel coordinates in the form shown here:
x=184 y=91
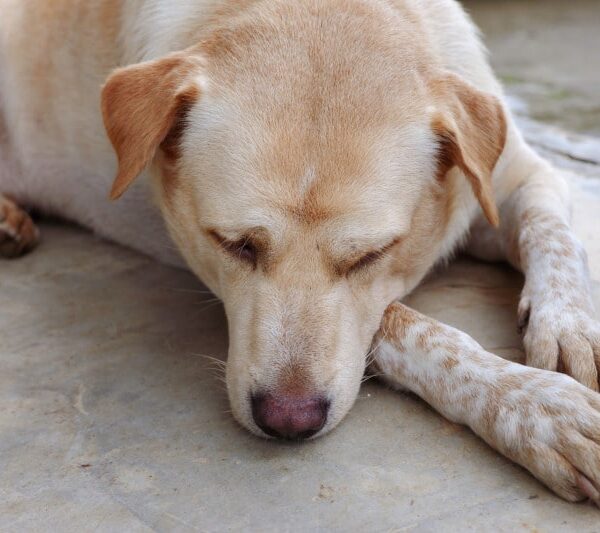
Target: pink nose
x=289 y=417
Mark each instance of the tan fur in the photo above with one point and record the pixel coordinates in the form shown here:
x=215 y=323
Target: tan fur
x=312 y=160
x=140 y=106
x=18 y=234
x=472 y=131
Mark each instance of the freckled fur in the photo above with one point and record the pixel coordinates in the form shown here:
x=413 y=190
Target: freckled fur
x=539 y=419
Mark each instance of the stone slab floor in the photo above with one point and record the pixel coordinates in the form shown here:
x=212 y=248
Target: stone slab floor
x=111 y=419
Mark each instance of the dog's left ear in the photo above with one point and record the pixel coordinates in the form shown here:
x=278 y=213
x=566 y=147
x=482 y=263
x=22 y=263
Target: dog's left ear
x=471 y=130
x=141 y=104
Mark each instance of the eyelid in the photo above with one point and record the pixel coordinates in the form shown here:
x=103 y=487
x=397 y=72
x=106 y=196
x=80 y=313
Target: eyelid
x=372 y=256
x=216 y=237
x=242 y=248
x=365 y=261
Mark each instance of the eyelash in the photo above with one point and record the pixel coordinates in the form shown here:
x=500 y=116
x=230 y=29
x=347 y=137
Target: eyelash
x=365 y=261
x=372 y=257
x=242 y=249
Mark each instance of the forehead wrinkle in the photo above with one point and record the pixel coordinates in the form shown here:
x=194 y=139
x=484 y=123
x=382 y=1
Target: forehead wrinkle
x=310 y=192
x=307 y=180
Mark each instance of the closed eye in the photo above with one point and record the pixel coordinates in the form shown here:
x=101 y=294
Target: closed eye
x=372 y=257
x=365 y=261
x=241 y=249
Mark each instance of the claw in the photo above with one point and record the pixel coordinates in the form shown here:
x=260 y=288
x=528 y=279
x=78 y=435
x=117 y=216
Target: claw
x=523 y=316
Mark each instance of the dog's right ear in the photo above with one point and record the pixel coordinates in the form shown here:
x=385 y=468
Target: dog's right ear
x=141 y=104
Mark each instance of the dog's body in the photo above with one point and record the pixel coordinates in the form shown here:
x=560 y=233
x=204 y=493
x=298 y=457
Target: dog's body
x=43 y=153
x=296 y=120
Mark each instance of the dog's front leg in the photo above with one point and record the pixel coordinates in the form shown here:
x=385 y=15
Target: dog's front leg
x=556 y=312
x=545 y=421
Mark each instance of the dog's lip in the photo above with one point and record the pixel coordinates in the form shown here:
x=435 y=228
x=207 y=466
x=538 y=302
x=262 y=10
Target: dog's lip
x=257 y=431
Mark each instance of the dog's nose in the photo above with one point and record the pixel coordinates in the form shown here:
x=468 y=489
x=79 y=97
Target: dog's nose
x=289 y=417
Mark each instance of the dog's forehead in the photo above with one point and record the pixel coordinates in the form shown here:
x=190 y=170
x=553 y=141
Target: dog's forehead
x=265 y=172
x=311 y=122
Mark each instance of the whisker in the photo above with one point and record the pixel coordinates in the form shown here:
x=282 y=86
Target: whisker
x=216 y=366
x=212 y=303
x=193 y=291
x=371 y=376
x=217 y=373
x=370 y=357
x=209 y=301
x=210 y=358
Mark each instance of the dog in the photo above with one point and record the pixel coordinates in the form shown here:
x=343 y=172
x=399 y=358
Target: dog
x=312 y=160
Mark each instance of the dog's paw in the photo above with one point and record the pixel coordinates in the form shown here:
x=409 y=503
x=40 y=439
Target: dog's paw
x=551 y=426
x=561 y=335
x=18 y=233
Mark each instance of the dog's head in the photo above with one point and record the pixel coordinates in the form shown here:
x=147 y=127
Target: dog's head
x=309 y=176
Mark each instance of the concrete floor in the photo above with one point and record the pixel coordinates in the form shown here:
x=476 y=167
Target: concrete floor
x=111 y=420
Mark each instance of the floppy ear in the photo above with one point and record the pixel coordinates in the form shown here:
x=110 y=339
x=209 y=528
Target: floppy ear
x=471 y=128
x=141 y=104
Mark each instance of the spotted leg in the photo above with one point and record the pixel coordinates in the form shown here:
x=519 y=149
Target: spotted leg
x=556 y=312
x=545 y=421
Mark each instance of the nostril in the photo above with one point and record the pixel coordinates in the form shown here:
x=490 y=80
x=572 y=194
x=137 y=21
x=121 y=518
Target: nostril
x=289 y=417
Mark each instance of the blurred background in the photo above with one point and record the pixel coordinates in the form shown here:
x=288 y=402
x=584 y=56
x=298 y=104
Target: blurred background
x=547 y=54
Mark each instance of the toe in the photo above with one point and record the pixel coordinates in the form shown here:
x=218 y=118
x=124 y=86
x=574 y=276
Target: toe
x=541 y=349
x=18 y=233
x=523 y=314
x=556 y=472
x=584 y=455
x=594 y=338
x=577 y=358
x=586 y=486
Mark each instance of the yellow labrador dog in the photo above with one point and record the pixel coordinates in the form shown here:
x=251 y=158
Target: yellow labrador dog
x=312 y=159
